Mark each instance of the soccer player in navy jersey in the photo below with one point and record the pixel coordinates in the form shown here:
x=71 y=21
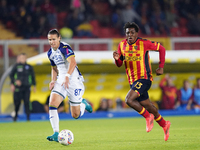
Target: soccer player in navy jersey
x=66 y=80
x=134 y=52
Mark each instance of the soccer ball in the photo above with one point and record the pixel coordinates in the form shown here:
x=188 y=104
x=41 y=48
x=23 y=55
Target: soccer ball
x=65 y=137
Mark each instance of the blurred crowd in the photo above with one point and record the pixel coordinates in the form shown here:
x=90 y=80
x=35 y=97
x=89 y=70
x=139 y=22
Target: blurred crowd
x=183 y=99
x=34 y=18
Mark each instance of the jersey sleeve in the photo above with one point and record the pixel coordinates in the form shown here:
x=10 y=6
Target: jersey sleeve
x=67 y=51
x=152 y=46
x=155 y=46
x=51 y=61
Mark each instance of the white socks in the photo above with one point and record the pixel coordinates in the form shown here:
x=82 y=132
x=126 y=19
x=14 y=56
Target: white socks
x=54 y=119
x=82 y=108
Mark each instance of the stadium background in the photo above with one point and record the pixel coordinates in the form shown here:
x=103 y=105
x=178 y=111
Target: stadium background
x=94 y=29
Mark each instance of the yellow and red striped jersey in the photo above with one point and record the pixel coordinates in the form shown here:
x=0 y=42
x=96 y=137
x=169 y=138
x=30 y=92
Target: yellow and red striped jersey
x=136 y=58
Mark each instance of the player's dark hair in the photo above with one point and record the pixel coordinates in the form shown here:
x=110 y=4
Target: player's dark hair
x=54 y=31
x=131 y=25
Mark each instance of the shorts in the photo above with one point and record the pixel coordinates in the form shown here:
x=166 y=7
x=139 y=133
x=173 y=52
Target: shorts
x=74 y=92
x=141 y=86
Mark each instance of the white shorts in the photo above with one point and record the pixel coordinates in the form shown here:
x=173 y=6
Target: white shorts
x=74 y=92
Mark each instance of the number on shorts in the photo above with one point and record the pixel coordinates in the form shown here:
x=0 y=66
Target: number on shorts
x=138 y=85
x=77 y=92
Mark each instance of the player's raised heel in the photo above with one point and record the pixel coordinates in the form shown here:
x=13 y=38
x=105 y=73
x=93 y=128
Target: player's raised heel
x=53 y=137
x=149 y=123
x=166 y=130
x=88 y=107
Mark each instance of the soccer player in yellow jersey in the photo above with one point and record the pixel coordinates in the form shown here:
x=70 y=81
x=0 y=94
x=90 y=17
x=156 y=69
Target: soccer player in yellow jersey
x=134 y=52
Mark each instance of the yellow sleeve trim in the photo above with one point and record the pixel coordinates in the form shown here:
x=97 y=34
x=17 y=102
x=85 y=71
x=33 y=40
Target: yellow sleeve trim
x=158 y=46
x=70 y=56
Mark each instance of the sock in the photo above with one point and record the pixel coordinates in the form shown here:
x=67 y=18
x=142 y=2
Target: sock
x=144 y=113
x=82 y=110
x=54 y=119
x=160 y=121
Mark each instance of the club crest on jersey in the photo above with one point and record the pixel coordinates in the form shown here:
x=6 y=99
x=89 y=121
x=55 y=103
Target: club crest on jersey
x=135 y=47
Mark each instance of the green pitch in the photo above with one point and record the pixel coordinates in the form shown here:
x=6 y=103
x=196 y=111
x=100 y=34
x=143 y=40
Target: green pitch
x=104 y=134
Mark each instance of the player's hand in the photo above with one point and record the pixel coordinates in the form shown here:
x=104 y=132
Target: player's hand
x=12 y=87
x=116 y=55
x=66 y=83
x=159 y=71
x=51 y=85
x=18 y=82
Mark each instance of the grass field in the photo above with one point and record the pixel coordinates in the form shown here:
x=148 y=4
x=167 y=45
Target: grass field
x=104 y=134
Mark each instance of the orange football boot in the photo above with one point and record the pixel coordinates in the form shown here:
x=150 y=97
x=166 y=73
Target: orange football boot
x=166 y=130
x=149 y=123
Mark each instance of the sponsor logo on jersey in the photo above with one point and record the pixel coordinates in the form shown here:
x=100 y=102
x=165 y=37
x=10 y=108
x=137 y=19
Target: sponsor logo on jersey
x=133 y=58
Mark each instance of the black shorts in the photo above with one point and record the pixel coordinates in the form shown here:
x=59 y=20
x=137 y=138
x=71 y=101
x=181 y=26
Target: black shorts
x=141 y=86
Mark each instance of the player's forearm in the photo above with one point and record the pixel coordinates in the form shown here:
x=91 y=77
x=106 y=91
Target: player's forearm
x=118 y=62
x=72 y=66
x=161 y=56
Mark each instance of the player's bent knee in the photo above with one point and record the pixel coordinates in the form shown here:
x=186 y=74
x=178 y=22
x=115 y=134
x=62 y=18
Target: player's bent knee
x=75 y=115
x=127 y=101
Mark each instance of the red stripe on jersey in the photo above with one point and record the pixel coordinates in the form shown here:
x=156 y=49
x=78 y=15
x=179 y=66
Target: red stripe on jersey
x=131 y=68
x=138 y=68
x=132 y=78
x=127 y=72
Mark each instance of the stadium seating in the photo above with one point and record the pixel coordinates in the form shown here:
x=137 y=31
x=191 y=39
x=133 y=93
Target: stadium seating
x=98 y=86
x=61 y=16
x=112 y=86
x=15 y=49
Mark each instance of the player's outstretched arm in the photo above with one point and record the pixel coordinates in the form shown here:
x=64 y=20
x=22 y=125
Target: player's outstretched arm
x=160 y=70
x=161 y=56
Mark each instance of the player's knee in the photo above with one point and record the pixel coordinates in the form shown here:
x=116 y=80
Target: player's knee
x=75 y=115
x=131 y=97
x=127 y=100
x=130 y=102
